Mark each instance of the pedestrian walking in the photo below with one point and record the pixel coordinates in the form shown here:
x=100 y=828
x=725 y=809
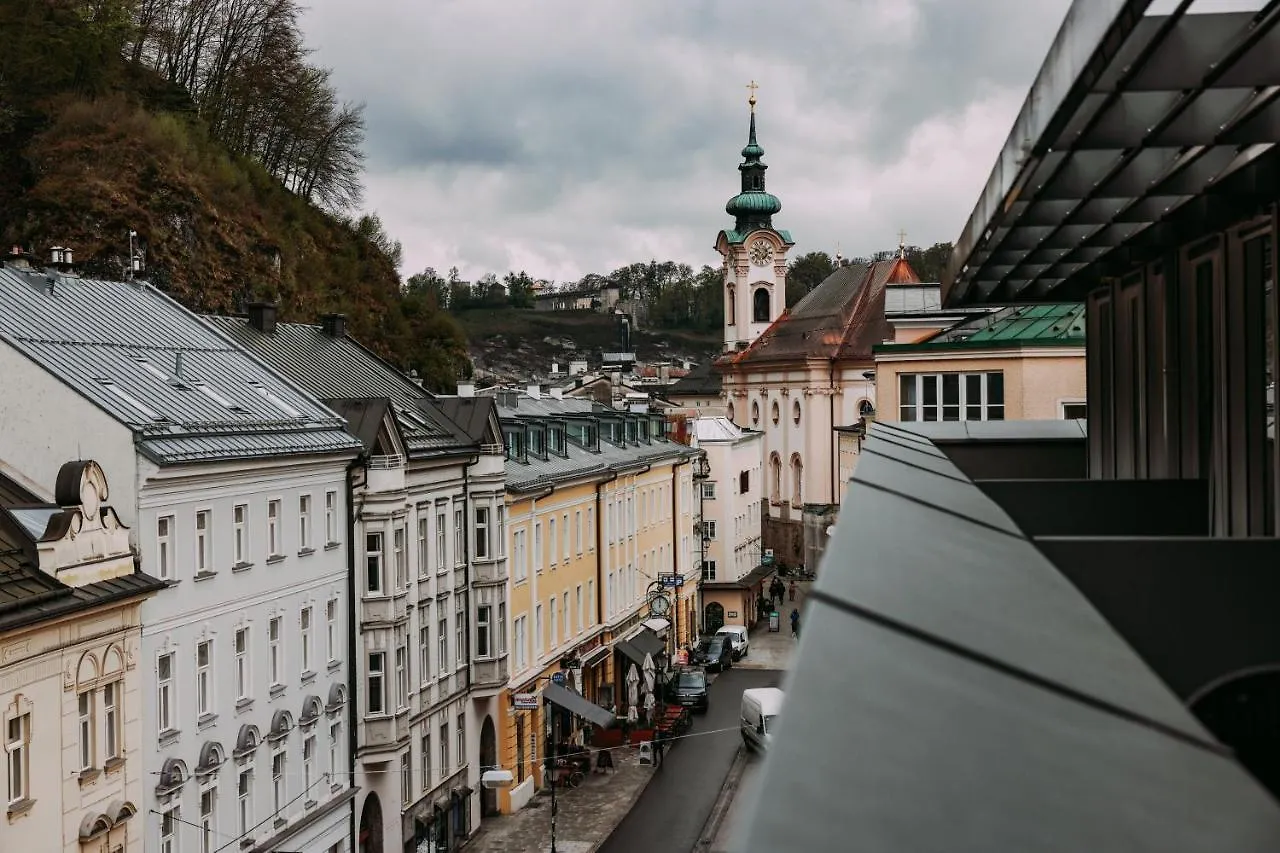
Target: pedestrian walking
x=793 y=590
x=658 y=744
x=795 y=623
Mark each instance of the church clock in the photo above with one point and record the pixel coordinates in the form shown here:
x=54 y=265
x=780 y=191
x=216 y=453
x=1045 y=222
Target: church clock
x=761 y=252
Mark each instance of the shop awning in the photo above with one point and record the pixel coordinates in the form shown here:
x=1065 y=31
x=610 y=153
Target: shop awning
x=575 y=704
x=657 y=624
x=648 y=643
x=594 y=656
x=747 y=581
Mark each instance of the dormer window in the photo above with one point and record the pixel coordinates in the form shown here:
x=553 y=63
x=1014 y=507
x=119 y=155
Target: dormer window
x=513 y=437
x=537 y=442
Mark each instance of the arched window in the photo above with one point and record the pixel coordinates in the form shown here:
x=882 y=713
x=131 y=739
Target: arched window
x=795 y=412
x=731 y=413
x=775 y=413
x=760 y=305
x=775 y=478
x=797 y=479
x=732 y=313
x=755 y=414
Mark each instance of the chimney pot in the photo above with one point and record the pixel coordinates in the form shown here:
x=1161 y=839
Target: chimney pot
x=334 y=325
x=262 y=316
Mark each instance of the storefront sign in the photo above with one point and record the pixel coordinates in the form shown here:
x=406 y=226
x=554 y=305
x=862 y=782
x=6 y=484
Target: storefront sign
x=525 y=701
x=733 y=614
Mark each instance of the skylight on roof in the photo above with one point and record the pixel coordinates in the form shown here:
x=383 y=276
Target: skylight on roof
x=136 y=404
x=274 y=399
x=152 y=369
x=215 y=395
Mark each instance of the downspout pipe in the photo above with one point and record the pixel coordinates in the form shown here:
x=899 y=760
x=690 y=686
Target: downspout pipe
x=600 y=521
x=353 y=662
x=675 y=549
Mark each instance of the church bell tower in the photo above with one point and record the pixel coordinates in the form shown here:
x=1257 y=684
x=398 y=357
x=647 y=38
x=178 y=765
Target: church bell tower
x=754 y=252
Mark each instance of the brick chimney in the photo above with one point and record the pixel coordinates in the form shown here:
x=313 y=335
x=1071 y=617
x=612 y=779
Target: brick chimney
x=262 y=316
x=334 y=325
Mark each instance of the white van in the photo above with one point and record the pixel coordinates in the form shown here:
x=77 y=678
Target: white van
x=760 y=708
x=739 y=638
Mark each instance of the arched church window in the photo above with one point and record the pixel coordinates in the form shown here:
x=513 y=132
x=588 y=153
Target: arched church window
x=797 y=479
x=760 y=305
x=732 y=313
x=865 y=409
x=795 y=412
x=730 y=413
x=777 y=415
x=755 y=414
x=775 y=478
x=755 y=182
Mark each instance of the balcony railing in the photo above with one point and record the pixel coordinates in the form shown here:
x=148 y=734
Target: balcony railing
x=489 y=673
x=490 y=571
x=385 y=473
x=386 y=463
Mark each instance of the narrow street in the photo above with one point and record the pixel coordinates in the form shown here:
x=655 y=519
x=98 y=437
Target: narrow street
x=671 y=812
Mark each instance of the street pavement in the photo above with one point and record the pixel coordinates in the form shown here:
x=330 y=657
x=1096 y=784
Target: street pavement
x=671 y=813
x=773 y=650
x=726 y=838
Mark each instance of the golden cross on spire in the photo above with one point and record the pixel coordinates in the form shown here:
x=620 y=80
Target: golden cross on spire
x=752 y=100
x=902 y=244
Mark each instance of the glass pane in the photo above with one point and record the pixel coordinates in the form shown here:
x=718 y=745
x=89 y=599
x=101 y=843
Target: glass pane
x=973 y=412
x=951 y=413
x=928 y=413
x=951 y=389
x=907 y=413
x=973 y=392
x=995 y=413
x=930 y=390
x=995 y=390
x=907 y=391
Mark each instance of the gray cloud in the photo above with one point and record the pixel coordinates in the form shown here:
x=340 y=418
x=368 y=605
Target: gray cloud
x=566 y=137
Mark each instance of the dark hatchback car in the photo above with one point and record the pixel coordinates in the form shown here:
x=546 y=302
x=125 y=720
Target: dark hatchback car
x=715 y=653
x=688 y=688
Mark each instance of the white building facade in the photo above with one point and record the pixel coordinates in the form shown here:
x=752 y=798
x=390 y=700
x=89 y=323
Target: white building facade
x=233 y=484
x=732 y=497
x=427 y=543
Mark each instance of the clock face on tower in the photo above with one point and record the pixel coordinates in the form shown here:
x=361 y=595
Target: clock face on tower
x=761 y=252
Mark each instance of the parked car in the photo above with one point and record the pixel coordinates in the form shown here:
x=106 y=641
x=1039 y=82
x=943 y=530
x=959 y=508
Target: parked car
x=688 y=687
x=738 y=639
x=760 y=708
x=714 y=652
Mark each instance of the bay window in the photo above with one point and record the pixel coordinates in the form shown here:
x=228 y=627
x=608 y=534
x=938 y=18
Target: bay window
x=951 y=396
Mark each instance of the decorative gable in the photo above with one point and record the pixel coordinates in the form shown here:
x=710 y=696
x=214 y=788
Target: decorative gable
x=84 y=541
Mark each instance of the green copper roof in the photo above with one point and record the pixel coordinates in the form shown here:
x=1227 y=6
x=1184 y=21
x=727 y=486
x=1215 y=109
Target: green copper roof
x=736 y=237
x=752 y=207
x=753 y=203
x=1060 y=325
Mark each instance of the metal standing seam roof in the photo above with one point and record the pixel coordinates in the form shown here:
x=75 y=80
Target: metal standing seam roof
x=185 y=391
x=341 y=368
x=1043 y=325
x=982 y=703
x=1134 y=119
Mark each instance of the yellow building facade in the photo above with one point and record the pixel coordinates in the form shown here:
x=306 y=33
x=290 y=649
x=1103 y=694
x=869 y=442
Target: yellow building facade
x=600 y=512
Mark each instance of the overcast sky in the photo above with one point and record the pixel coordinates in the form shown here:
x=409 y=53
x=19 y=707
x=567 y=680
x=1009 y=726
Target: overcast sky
x=571 y=136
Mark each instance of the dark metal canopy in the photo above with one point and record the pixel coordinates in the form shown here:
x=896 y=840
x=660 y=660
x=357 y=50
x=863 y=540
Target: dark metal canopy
x=575 y=704
x=1143 y=113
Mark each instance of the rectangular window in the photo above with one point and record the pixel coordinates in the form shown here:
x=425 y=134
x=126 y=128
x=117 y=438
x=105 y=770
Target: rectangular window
x=568 y=617
x=84 y=704
x=165 y=698
x=501 y=643
x=483 y=628
x=744 y=482
x=169 y=820
x=591 y=601
x=373 y=563
x=203 y=547
x=335 y=748
x=423 y=538
x=538 y=636
x=242 y=663
x=577 y=531
x=1075 y=411
x=275 y=640
x=591 y=528
x=459 y=537
x=424 y=648
x=331 y=517
x=304 y=522
x=564 y=536
x=331 y=629
x=279 y=787
x=17 y=747
x=204 y=678
x=442 y=643
x=425 y=760
x=442 y=559
x=577 y=606
x=444 y=751
x=708 y=570
x=482 y=532
x=304 y=620
x=240 y=533
x=551 y=541
x=519 y=555
x=398 y=538
x=273 y=528
x=406 y=779
x=208 y=805
x=308 y=767
x=709 y=490
x=244 y=795
x=164 y=547
x=377 y=683
x=460 y=628
x=111 y=719
x=500 y=547
x=537 y=546
x=522 y=643
x=402 y=676
x=951 y=396
x=460 y=731
x=709 y=529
